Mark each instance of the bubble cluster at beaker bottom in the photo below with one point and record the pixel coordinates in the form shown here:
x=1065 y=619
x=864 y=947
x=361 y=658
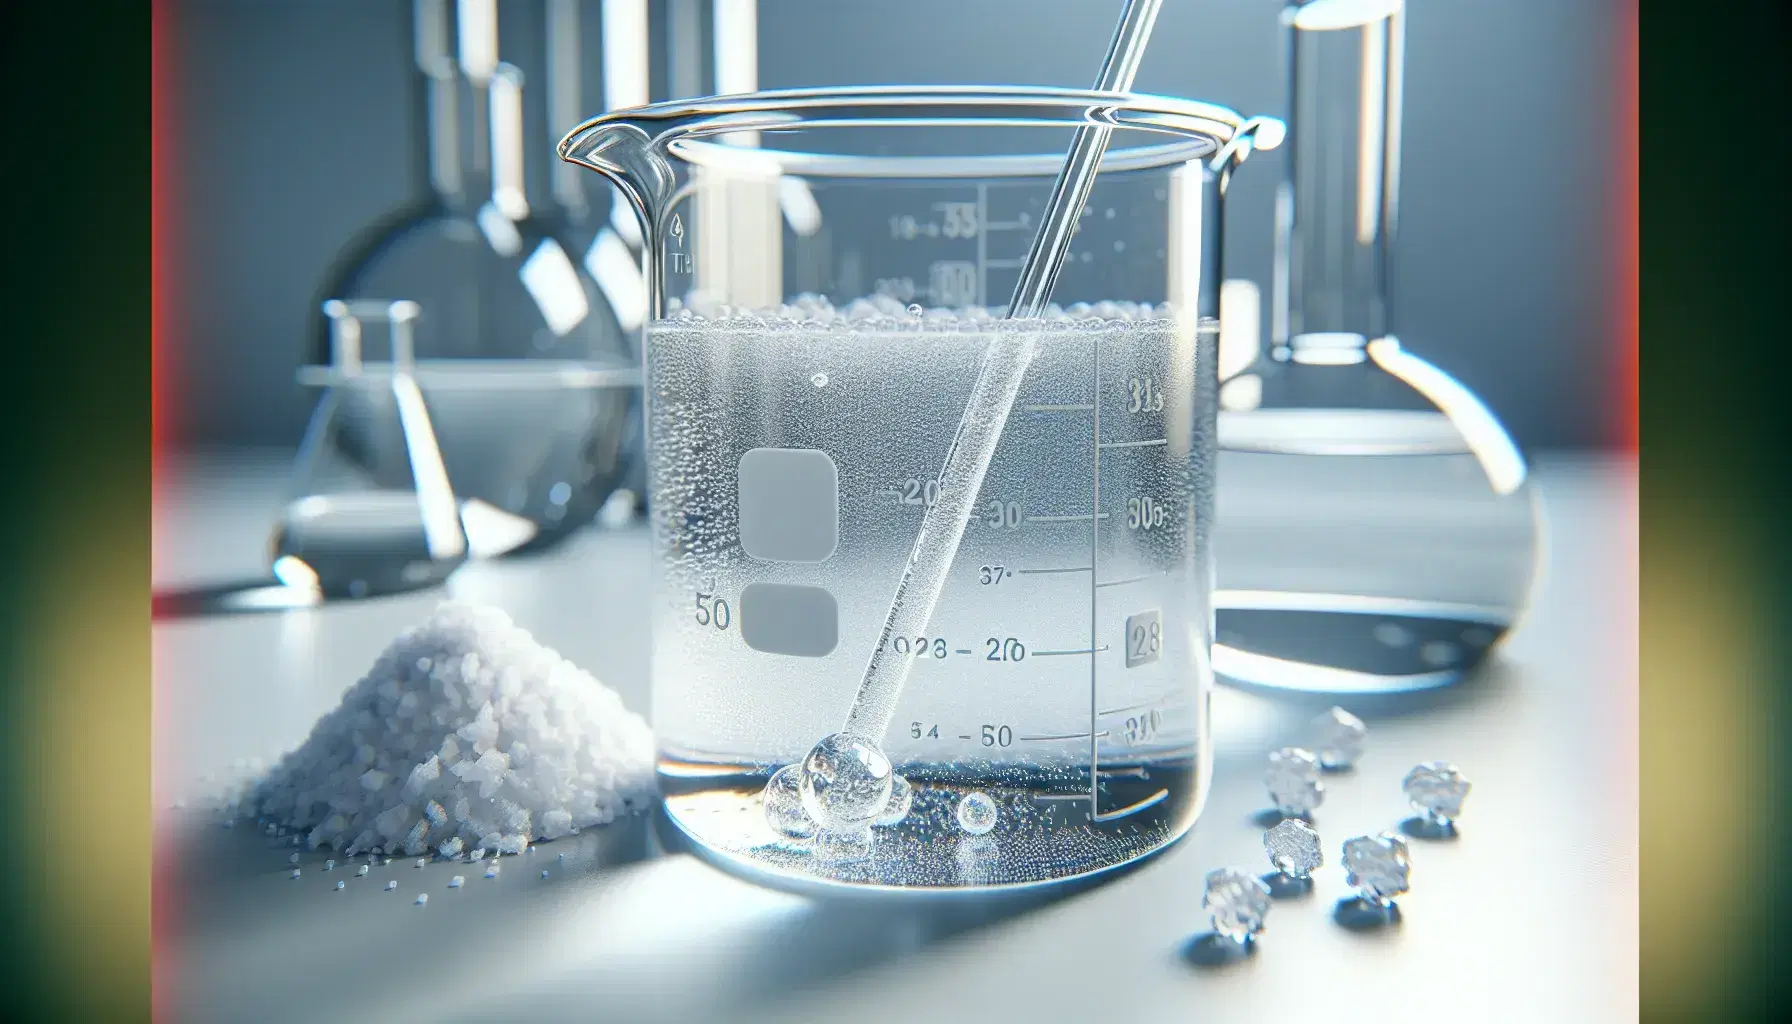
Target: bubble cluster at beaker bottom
x=977 y=813
x=847 y=844
x=845 y=782
x=902 y=797
x=976 y=858
x=784 y=804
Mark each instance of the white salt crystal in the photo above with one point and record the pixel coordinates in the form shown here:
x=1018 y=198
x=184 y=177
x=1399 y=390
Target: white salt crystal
x=457 y=881
x=422 y=861
x=414 y=840
x=339 y=885
x=449 y=849
x=498 y=741
x=362 y=870
x=295 y=872
x=544 y=874
x=482 y=731
x=422 y=898
x=394 y=821
x=421 y=776
x=391 y=886
x=294 y=859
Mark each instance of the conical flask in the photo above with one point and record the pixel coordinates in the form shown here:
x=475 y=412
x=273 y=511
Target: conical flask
x=372 y=510
x=1376 y=530
x=520 y=354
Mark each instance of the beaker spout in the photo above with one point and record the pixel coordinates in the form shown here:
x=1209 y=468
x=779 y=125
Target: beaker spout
x=623 y=152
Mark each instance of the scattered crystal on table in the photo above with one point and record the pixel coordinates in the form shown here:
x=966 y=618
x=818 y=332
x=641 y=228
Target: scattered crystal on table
x=1378 y=867
x=1237 y=901
x=1437 y=789
x=1293 y=781
x=1338 y=739
x=1293 y=848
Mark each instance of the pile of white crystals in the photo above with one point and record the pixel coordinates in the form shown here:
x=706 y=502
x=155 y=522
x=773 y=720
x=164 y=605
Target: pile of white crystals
x=466 y=735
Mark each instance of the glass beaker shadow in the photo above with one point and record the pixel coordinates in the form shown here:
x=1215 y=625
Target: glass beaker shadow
x=1491 y=681
x=249 y=596
x=843 y=928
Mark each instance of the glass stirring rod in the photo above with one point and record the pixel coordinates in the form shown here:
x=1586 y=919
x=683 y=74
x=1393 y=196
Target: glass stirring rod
x=992 y=396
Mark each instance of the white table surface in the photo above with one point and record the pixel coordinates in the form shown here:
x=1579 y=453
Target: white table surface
x=1530 y=914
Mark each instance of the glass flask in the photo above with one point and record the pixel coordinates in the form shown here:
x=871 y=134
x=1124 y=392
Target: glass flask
x=1376 y=528
x=822 y=265
x=348 y=530
x=519 y=353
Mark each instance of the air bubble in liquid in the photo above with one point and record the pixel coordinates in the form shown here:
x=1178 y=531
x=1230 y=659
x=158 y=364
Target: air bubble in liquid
x=845 y=782
x=977 y=813
x=902 y=797
x=914 y=309
x=820 y=380
x=784 y=804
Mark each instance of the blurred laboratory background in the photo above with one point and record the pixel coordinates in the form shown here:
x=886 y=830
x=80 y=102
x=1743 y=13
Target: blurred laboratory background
x=295 y=126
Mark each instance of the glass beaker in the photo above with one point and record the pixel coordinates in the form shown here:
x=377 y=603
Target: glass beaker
x=521 y=354
x=1376 y=531
x=822 y=263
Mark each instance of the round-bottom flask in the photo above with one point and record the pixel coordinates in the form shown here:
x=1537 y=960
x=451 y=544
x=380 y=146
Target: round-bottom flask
x=1376 y=529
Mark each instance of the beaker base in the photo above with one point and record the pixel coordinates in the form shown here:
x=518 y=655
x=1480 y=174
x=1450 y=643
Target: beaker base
x=1327 y=644
x=1044 y=833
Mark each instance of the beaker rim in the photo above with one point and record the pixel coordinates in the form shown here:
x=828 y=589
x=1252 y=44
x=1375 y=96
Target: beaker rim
x=680 y=127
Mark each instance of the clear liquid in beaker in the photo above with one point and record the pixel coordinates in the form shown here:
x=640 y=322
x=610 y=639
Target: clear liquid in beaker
x=791 y=464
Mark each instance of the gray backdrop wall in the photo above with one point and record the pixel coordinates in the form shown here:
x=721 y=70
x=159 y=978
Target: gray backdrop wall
x=293 y=132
